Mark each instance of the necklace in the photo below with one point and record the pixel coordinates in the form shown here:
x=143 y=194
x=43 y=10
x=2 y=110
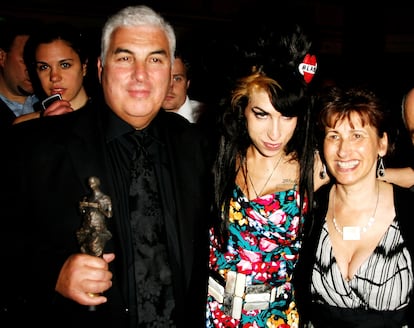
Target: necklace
x=267 y=181
x=354 y=232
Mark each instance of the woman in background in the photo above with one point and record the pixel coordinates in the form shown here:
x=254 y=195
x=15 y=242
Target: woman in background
x=57 y=60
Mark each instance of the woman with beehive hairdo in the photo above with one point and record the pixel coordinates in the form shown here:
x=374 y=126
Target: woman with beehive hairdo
x=263 y=183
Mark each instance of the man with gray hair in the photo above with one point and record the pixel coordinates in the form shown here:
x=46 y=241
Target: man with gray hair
x=154 y=166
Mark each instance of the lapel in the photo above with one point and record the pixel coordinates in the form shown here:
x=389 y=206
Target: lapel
x=86 y=149
x=179 y=206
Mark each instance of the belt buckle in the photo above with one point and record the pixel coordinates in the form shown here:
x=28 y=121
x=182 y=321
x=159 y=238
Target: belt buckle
x=258 y=297
x=236 y=296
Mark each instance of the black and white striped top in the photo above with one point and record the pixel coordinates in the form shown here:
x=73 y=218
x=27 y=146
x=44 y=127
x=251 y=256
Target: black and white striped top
x=383 y=282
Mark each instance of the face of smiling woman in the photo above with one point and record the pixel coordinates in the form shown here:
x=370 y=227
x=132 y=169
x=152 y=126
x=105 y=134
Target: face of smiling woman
x=351 y=150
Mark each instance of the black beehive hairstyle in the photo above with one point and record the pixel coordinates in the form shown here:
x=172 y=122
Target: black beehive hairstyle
x=278 y=53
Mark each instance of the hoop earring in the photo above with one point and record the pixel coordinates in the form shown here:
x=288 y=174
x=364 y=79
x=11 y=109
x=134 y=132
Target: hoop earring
x=381 y=168
x=322 y=173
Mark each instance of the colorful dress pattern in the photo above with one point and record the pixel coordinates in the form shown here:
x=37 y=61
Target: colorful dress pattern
x=263 y=245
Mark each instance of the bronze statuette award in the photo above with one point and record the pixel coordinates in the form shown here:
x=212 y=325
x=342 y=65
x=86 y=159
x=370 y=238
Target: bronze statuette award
x=95 y=209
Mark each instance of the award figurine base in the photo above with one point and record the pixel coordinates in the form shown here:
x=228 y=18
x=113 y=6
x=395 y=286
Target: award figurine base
x=92 y=308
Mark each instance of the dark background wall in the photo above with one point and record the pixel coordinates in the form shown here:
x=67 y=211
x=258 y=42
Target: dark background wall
x=353 y=40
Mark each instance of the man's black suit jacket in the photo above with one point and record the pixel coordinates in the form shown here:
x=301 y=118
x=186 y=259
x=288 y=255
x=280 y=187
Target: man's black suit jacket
x=44 y=176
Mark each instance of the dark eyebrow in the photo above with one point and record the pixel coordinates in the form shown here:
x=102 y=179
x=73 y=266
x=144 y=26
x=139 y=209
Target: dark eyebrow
x=260 y=109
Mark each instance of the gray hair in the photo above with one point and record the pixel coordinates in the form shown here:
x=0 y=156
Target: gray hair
x=136 y=16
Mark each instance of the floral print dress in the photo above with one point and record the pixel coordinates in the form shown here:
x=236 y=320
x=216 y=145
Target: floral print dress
x=263 y=249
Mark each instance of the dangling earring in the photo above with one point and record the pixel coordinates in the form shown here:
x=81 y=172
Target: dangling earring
x=322 y=173
x=381 y=168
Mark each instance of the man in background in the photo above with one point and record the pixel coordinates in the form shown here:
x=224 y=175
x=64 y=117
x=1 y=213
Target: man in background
x=16 y=91
x=408 y=113
x=177 y=99
x=400 y=170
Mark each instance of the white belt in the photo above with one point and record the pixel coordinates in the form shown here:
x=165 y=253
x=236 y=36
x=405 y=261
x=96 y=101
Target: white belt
x=236 y=296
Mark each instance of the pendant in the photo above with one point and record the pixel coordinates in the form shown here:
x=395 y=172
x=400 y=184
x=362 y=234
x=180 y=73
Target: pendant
x=351 y=233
